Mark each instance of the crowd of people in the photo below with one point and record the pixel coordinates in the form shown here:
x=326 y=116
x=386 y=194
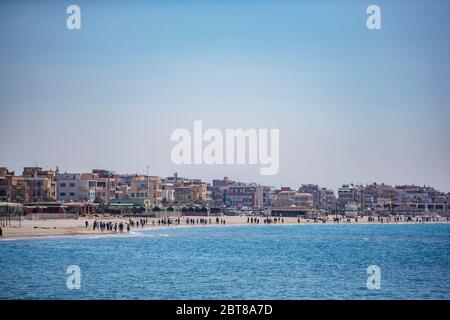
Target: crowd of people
x=204 y=221
x=268 y=220
x=110 y=226
x=122 y=226
x=142 y=222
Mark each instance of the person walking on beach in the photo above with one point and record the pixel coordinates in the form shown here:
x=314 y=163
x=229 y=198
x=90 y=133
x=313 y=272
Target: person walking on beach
x=128 y=228
x=1 y=232
x=87 y=224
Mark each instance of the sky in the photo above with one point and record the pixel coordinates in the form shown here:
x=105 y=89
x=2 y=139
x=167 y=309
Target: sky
x=353 y=105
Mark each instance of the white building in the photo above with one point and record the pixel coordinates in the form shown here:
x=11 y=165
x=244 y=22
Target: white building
x=71 y=187
x=167 y=193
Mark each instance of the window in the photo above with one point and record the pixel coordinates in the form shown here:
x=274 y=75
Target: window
x=62 y=185
x=72 y=185
x=72 y=194
x=62 y=194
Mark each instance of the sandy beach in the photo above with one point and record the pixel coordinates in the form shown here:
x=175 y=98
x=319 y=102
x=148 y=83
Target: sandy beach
x=72 y=227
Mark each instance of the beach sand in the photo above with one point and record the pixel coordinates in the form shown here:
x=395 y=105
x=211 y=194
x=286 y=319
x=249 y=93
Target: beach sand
x=69 y=227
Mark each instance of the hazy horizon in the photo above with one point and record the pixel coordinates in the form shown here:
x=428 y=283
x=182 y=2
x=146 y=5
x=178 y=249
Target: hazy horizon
x=353 y=105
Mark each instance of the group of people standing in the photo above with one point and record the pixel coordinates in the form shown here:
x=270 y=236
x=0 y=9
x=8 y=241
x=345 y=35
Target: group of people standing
x=166 y=221
x=142 y=222
x=204 y=221
x=267 y=220
x=109 y=226
x=253 y=220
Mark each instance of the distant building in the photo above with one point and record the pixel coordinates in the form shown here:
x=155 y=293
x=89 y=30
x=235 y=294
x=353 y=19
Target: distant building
x=327 y=199
x=268 y=193
x=167 y=194
x=347 y=194
x=105 y=184
x=288 y=211
x=145 y=191
x=34 y=185
x=5 y=184
x=312 y=189
x=424 y=198
x=303 y=199
x=190 y=192
x=74 y=187
x=283 y=197
x=240 y=194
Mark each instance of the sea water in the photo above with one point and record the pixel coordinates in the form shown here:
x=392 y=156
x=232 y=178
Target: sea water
x=317 y=261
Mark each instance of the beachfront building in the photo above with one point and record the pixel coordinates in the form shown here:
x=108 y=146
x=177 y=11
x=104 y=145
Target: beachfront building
x=327 y=199
x=216 y=195
x=167 y=193
x=268 y=193
x=139 y=190
x=287 y=197
x=227 y=193
x=74 y=187
x=5 y=184
x=347 y=194
x=217 y=192
x=283 y=197
x=190 y=191
x=424 y=198
x=289 y=211
x=303 y=199
x=243 y=194
x=312 y=189
x=323 y=198
x=375 y=195
x=155 y=187
x=105 y=185
x=48 y=178
x=221 y=193
x=34 y=185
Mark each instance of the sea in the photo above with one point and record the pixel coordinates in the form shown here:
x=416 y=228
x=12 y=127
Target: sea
x=312 y=261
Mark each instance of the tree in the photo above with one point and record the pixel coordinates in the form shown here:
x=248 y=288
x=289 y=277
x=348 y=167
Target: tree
x=98 y=199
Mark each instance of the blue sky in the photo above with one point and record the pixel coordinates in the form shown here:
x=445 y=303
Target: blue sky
x=352 y=105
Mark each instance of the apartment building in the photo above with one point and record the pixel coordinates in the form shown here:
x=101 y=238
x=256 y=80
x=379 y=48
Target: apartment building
x=74 y=187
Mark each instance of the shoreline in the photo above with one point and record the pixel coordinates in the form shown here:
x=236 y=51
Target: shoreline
x=52 y=228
